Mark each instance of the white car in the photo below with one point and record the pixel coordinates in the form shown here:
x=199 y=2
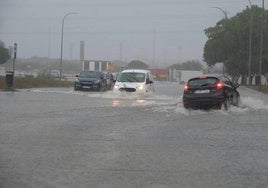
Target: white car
x=135 y=81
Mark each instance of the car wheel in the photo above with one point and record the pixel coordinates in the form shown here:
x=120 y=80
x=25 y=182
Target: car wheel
x=219 y=106
x=236 y=100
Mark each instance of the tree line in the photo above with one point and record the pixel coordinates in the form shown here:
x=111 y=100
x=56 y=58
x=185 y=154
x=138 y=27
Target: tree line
x=229 y=43
x=4 y=53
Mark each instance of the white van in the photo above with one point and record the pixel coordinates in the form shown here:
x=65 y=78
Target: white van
x=134 y=80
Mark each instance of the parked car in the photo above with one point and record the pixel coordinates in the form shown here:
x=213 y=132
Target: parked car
x=134 y=80
x=90 y=80
x=210 y=91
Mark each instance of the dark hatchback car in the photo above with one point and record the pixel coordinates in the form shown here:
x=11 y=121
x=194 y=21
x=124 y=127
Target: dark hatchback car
x=210 y=91
x=90 y=80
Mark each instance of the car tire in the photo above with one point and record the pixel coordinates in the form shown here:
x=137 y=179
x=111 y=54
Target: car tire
x=236 y=100
x=219 y=106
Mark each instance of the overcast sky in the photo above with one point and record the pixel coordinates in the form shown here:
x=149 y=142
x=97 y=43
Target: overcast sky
x=174 y=27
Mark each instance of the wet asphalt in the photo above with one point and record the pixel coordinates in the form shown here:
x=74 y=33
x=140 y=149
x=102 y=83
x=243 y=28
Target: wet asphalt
x=58 y=138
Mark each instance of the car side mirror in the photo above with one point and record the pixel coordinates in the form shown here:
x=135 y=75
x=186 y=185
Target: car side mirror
x=236 y=85
x=149 y=81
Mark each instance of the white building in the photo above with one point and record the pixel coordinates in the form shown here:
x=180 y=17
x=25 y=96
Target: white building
x=96 y=65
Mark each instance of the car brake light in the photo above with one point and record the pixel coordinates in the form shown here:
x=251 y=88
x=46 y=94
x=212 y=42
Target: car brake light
x=186 y=88
x=219 y=85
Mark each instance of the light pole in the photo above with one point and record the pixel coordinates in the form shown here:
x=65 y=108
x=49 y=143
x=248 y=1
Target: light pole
x=62 y=26
x=223 y=11
x=250 y=45
x=179 y=54
x=261 y=44
x=154 y=48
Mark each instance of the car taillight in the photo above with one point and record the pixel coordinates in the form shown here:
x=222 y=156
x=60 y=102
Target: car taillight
x=219 y=85
x=186 y=88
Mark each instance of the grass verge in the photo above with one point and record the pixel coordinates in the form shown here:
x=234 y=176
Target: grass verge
x=24 y=83
x=264 y=89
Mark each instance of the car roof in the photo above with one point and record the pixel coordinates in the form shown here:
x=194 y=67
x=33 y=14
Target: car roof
x=136 y=70
x=90 y=71
x=218 y=76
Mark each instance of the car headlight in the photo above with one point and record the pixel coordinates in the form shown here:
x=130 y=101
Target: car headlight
x=97 y=81
x=116 y=86
x=140 y=87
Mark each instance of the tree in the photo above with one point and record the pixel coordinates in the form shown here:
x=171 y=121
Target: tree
x=228 y=43
x=137 y=64
x=4 y=53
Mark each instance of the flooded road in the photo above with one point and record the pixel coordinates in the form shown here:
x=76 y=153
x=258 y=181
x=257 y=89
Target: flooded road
x=57 y=137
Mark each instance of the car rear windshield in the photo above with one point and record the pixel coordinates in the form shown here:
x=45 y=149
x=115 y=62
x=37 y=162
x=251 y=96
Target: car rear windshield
x=131 y=77
x=202 y=81
x=89 y=74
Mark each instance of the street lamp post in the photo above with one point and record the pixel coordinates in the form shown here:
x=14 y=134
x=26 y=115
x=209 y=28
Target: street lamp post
x=154 y=47
x=250 y=45
x=223 y=11
x=62 y=26
x=261 y=44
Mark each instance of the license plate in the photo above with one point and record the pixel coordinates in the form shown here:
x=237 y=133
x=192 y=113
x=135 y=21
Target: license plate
x=202 y=91
x=86 y=87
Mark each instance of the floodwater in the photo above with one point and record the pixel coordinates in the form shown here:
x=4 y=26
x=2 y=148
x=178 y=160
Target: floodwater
x=57 y=137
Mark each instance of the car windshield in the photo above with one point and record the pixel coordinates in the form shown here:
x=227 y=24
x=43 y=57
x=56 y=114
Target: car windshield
x=202 y=82
x=89 y=74
x=131 y=77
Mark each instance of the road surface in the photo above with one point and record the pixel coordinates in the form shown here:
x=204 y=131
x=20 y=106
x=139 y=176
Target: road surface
x=60 y=138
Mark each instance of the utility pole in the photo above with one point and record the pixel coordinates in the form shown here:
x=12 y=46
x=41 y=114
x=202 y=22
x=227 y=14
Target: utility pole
x=179 y=54
x=154 y=48
x=49 y=33
x=250 y=45
x=261 y=44
x=121 y=51
x=71 y=50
